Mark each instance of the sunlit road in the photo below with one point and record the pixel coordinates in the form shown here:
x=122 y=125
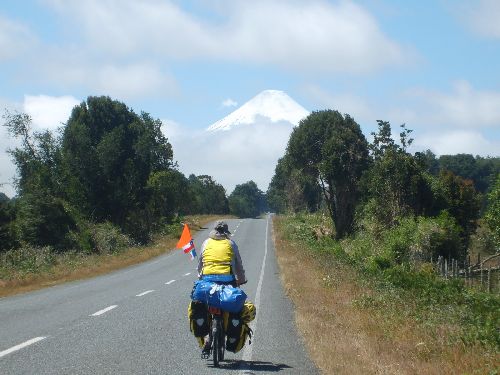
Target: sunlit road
x=134 y=321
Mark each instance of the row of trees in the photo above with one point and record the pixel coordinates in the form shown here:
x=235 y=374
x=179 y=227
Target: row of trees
x=110 y=170
x=329 y=164
x=108 y=167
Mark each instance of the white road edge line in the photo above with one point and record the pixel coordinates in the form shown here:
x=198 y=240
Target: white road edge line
x=170 y=282
x=144 y=293
x=187 y=274
x=20 y=346
x=100 y=312
x=247 y=352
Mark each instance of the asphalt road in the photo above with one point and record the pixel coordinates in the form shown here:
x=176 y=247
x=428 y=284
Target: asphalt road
x=134 y=321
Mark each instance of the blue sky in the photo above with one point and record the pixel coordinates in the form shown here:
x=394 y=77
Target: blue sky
x=430 y=64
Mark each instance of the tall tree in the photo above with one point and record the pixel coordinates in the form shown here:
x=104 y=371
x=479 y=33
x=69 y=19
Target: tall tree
x=293 y=190
x=109 y=154
x=461 y=201
x=7 y=217
x=481 y=170
x=42 y=216
x=492 y=215
x=247 y=200
x=331 y=149
x=397 y=184
x=206 y=195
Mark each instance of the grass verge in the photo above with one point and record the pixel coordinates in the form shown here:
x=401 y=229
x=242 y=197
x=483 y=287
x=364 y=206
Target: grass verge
x=46 y=268
x=359 y=321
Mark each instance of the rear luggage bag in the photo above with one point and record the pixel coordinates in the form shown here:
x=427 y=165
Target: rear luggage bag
x=198 y=320
x=224 y=297
x=237 y=328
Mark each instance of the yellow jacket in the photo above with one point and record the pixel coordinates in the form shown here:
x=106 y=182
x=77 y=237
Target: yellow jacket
x=221 y=257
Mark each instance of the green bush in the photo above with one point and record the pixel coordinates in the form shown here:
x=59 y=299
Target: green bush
x=100 y=238
x=107 y=238
x=483 y=240
x=43 y=220
x=27 y=259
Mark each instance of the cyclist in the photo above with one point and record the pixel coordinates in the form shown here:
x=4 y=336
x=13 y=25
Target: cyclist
x=220 y=261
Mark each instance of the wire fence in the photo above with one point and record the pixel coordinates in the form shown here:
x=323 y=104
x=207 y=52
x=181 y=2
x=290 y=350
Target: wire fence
x=484 y=274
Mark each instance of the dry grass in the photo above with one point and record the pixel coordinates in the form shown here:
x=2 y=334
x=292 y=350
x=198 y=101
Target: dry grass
x=344 y=339
x=76 y=267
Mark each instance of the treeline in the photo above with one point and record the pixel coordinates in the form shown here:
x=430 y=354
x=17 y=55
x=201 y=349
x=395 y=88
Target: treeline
x=414 y=205
x=106 y=180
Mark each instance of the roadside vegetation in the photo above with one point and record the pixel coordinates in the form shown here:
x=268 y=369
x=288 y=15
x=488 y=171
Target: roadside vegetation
x=358 y=317
x=371 y=220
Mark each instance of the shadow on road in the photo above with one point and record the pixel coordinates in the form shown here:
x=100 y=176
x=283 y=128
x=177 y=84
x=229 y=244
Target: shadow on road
x=251 y=367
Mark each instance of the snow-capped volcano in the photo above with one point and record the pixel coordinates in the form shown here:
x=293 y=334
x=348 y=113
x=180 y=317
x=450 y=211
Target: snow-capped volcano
x=274 y=105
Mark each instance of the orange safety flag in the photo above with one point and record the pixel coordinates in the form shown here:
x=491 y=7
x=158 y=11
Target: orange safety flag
x=185 y=237
x=186 y=242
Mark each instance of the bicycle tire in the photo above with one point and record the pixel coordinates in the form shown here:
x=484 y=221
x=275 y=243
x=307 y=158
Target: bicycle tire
x=216 y=343
x=222 y=345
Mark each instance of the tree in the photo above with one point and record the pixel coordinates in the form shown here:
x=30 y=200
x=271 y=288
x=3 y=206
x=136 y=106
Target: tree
x=207 y=196
x=481 y=170
x=292 y=190
x=396 y=182
x=44 y=220
x=332 y=150
x=247 y=200
x=42 y=216
x=492 y=215
x=7 y=217
x=37 y=159
x=109 y=154
x=461 y=201
x=167 y=191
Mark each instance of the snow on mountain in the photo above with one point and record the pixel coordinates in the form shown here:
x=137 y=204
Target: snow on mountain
x=274 y=105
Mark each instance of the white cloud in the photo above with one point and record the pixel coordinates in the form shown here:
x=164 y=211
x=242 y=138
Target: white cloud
x=229 y=103
x=7 y=168
x=14 y=38
x=137 y=80
x=458 y=141
x=482 y=17
x=462 y=120
x=236 y=156
x=49 y=112
x=464 y=107
x=309 y=36
x=346 y=103
x=118 y=79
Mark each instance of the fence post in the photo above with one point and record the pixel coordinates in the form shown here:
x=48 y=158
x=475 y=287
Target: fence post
x=482 y=279
x=446 y=268
x=489 y=279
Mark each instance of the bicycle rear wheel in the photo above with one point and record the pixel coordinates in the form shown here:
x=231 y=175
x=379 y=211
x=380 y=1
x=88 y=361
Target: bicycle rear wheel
x=222 y=344
x=216 y=342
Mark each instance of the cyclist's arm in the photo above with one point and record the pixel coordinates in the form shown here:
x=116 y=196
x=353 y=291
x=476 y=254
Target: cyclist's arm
x=237 y=265
x=200 y=258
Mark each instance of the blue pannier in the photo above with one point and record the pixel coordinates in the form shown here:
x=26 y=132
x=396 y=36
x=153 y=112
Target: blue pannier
x=224 y=297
